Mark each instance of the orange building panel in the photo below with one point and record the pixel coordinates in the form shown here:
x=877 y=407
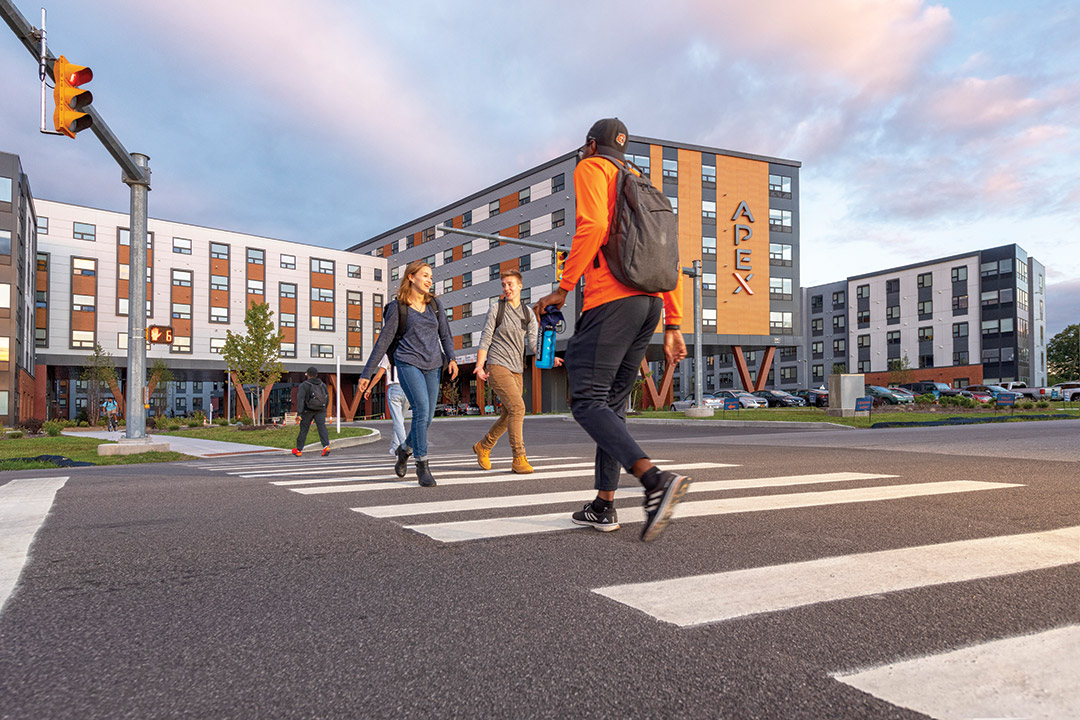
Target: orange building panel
x=508 y=203
x=656 y=166
x=742 y=246
x=219 y=298
x=689 y=221
x=219 y=266
x=458 y=252
x=83 y=321
x=511 y=264
x=326 y=281
x=510 y=232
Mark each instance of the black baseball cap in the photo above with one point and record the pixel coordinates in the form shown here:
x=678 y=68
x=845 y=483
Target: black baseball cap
x=611 y=137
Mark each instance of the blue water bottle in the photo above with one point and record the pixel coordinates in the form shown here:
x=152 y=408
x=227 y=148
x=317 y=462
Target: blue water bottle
x=549 y=321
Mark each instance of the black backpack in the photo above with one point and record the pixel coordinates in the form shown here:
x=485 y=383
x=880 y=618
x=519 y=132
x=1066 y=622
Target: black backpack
x=642 y=248
x=319 y=397
x=402 y=321
x=502 y=311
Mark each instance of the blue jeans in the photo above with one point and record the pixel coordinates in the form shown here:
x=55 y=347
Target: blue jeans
x=398 y=404
x=422 y=389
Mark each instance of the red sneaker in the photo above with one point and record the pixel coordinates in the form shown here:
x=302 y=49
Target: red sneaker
x=296 y=452
x=326 y=451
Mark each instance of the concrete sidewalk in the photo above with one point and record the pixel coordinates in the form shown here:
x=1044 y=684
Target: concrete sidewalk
x=188 y=446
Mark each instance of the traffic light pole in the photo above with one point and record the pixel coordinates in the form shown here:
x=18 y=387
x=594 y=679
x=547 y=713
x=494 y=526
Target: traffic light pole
x=136 y=174
x=136 y=407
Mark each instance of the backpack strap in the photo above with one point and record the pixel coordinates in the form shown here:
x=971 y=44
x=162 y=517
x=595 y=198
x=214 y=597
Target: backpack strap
x=500 y=313
x=620 y=165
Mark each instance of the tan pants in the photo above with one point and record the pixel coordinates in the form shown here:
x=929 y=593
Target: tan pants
x=507 y=385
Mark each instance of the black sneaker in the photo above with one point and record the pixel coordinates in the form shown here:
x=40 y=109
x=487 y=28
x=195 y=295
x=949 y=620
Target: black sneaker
x=602 y=520
x=660 y=503
x=423 y=474
x=402 y=463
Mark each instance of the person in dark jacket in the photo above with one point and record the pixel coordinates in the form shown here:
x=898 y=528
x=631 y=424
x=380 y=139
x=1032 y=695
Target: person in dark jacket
x=311 y=404
x=425 y=347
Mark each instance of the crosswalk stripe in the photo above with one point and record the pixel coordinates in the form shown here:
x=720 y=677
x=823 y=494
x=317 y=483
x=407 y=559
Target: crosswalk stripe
x=505 y=501
x=473 y=478
x=1018 y=677
x=24 y=505
x=265 y=461
x=381 y=464
x=703 y=599
x=383 y=471
x=500 y=527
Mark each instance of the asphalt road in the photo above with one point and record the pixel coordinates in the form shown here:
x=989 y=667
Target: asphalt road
x=205 y=590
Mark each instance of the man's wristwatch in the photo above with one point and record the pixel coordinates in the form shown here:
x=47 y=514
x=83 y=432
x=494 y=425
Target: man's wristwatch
x=671 y=327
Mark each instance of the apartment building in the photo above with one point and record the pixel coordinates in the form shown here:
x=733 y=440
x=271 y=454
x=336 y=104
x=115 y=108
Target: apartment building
x=977 y=317
x=200 y=281
x=18 y=247
x=737 y=214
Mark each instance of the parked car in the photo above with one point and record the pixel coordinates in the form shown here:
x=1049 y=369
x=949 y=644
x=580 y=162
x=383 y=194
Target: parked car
x=689 y=402
x=996 y=391
x=442 y=410
x=779 y=398
x=978 y=396
x=745 y=399
x=1033 y=393
x=902 y=391
x=937 y=389
x=1068 y=390
x=885 y=396
x=820 y=398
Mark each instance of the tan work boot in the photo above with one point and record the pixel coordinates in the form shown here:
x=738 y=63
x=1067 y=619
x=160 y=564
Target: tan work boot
x=521 y=465
x=483 y=457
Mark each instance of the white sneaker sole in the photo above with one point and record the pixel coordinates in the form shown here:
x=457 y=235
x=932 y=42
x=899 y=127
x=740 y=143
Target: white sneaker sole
x=675 y=493
x=595 y=526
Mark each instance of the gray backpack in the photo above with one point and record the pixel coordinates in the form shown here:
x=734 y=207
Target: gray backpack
x=642 y=249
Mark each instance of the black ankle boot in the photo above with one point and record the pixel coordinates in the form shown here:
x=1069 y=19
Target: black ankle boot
x=402 y=463
x=423 y=474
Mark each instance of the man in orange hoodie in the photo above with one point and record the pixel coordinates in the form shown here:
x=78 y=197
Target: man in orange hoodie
x=616 y=325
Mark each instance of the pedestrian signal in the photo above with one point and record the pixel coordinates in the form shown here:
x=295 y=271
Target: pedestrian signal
x=68 y=117
x=159 y=334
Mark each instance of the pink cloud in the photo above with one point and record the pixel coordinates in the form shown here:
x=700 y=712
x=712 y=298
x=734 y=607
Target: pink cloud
x=975 y=104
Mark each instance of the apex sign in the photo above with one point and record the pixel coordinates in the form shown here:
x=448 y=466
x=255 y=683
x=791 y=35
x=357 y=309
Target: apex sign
x=743 y=219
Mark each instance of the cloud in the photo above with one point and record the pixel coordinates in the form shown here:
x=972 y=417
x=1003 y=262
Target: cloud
x=1062 y=306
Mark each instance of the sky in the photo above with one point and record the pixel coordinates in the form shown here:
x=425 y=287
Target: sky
x=924 y=129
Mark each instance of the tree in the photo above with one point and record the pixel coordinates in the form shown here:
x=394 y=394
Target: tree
x=98 y=372
x=450 y=393
x=255 y=356
x=839 y=368
x=1063 y=355
x=900 y=371
x=160 y=374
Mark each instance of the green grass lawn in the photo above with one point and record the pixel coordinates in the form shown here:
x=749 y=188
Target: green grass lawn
x=74 y=448
x=283 y=437
x=818 y=415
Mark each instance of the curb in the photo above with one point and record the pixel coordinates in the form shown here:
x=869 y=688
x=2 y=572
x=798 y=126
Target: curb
x=338 y=443
x=738 y=423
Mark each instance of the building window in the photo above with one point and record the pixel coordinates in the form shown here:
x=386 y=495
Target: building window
x=5 y=242
x=287 y=290
x=708 y=245
x=839 y=347
x=180 y=345
x=708 y=209
x=354 y=272
x=525 y=263
x=42 y=225
x=410 y=240
x=325 y=267
x=181 y=246
x=817 y=303
x=525 y=229
x=892 y=312
x=960 y=302
x=780 y=220
x=862 y=292
x=674 y=203
x=493 y=208
x=322 y=351
x=466 y=219
x=779 y=186
x=354 y=352
x=780 y=288
x=863 y=318
x=322 y=322
x=524 y=195
x=926 y=307
x=288 y=262
x=448 y=285
x=493 y=272
x=817 y=326
x=322 y=295
x=892 y=286
x=558 y=183
x=376 y=300
x=255 y=287
x=960 y=330
x=790 y=374
x=708 y=281
x=817 y=349
x=780 y=254
x=287 y=319
x=466 y=249
x=287 y=350
x=353 y=297
x=256 y=256
x=671 y=168
x=84 y=266
x=924 y=280
x=219 y=251
x=181 y=278
x=926 y=334
x=466 y=310
x=839 y=322
x=891 y=338
x=988 y=269
x=959 y=274
x=708 y=317
x=817 y=370
x=84 y=231
x=394 y=274
x=862 y=341
x=219 y=282
x=219 y=315
x=780 y=322
x=708 y=175
x=960 y=357
x=448 y=256
x=82 y=339
x=991 y=327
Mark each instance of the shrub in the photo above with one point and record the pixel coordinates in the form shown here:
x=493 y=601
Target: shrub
x=1025 y=405
x=123 y=422
x=102 y=421
x=1043 y=404
x=151 y=423
x=31 y=425
x=198 y=417
x=220 y=421
x=927 y=399
x=84 y=423
x=53 y=428
x=15 y=434
x=244 y=420
x=173 y=426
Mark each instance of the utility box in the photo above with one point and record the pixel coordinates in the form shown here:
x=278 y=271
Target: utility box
x=844 y=390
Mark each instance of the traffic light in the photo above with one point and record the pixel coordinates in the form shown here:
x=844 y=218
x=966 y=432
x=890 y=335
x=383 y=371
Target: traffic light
x=68 y=117
x=159 y=334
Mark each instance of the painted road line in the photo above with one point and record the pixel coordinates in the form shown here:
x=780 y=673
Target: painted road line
x=1032 y=676
x=505 y=501
x=286 y=456
x=703 y=599
x=500 y=527
x=24 y=505
x=353 y=467
x=473 y=478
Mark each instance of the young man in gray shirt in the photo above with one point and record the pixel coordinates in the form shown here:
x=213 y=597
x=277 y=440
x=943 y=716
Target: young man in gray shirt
x=500 y=363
